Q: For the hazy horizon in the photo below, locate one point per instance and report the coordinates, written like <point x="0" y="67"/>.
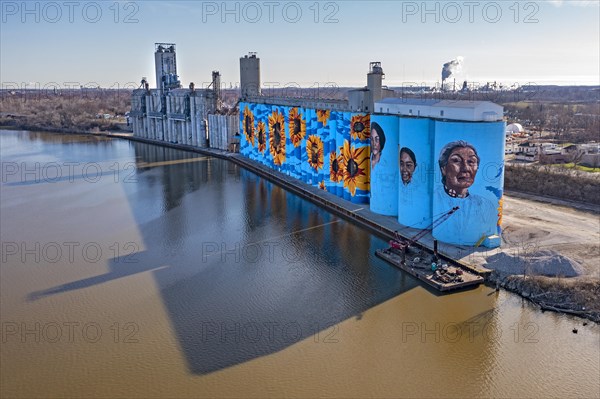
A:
<point x="111" y="44"/>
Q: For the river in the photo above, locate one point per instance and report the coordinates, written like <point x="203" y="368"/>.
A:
<point x="134" y="270"/>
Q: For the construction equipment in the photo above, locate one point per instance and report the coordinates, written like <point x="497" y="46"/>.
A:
<point x="401" y="245"/>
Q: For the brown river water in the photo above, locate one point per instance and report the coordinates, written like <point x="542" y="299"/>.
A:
<point x="133" y="270"/>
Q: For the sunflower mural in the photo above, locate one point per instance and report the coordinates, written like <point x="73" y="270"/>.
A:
<point x="323" y="116"/>
<point x="249" y="125"/>
<point x="360" y="127"/>
<point x="322" y="185"/>
<point x="261" y="136"/>
<point x="500" y="208"/>
<point x="277" y="137"/>
<point x="297" y="126"/>
<point x="335" y="171"/>
<point x="355" y="166"/>
<point x="314" y="151"/>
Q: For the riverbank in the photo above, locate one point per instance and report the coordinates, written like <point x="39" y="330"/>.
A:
<point x="578" y="295"/>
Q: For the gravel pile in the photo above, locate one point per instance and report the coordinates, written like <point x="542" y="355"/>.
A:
<point x="541" y="263"/>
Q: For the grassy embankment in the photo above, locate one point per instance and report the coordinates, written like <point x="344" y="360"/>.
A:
<point x="558" y="182"/>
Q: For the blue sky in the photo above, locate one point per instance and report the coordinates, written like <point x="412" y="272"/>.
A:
<point x="112" y="43"/>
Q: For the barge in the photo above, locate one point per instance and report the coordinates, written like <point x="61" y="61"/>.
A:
<point x="441" y="276"/>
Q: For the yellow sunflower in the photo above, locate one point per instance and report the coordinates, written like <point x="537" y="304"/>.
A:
<point x="335" y="171"/>
<point x="297" y="126"/>
<point x="360" y="127"/>
<point x="277" y="137"/>
<point x="323" y="116"/>
<point x="315" y="152"/>
<point x="249" y="125"/>
<point x="322" y="185"/>
<point x="500" y="207"/>
<point x="355" y="164"/>
<point x="261" y="136"/>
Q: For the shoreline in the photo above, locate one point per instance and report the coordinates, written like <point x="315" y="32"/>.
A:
<point x="579" y="297"/>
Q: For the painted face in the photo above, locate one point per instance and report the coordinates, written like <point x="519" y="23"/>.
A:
<point x="375" y="145"/>
<point x="407" y="167"/>
<point x="461" y="169"/>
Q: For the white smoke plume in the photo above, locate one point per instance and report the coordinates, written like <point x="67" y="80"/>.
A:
<point x="452" y="67"/>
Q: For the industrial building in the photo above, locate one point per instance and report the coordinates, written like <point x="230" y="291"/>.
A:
<point x="184" y="116"/>
<point x="407" y="158"/>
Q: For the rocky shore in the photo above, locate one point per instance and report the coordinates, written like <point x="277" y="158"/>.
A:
<point x="579" y="296"/>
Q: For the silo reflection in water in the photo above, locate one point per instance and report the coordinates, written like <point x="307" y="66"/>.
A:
<point x="354" y="326"/>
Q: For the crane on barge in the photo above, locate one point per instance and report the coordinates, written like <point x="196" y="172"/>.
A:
<point x="437" y="274"/>
<point x="400" y="245"/>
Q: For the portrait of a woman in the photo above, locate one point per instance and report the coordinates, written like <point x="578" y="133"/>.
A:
<point x="477" y="216"/>
<point x="408" y="164"/>
<point x="377" y="143"/>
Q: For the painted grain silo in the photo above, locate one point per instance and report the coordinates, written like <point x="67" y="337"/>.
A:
<point x="297" y="132"/>
<point x="346" y="150"/>
<point x="313" y="148"/>
<point x="469" y="173"/>
<point x="260" y="132"/>
<point x="323" y="132"/>
<point x="334" y="181"/>
<point x="277" y="137"/>
<point x="339" y="141"/>
<point x="287" y="164"/>
<point x="262" y="123"/>
<point x="246" y="128"/>
<point x="357" y="164"/>
<point x="415" y="163"/>
<point x="304" y="170"/>
<point x="384" y="164"/>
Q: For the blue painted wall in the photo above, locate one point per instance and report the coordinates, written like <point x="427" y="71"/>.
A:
<point x="384" y="167"/>
<point x="415" y="180"/>
<point x="332" y="150"/>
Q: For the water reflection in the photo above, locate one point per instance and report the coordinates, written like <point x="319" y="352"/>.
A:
<point x="245" y="268"/>
<point x="239" y="269"/>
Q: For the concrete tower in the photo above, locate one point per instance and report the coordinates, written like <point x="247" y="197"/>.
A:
<point x="166" y="66"/>
<point x="374" y="82"/>
<point x="250" y="75"/>
<point x="216" y="86"/>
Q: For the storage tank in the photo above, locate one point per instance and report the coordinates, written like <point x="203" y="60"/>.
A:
<point x="415" y="166"/>
<point x="345" y="150"/>
<point x="339" y="140"/>
<point x="197" y="105"/>
<point x="358" y="163"/>
<point x="313" y="146"/>
<point x="304" y="170"/>
<point x="297" y="133"/>
<point x="323" y="130"/>
<point x="246" y="128"/>
<point x="469" y="173"/>
<point x="262" y="134"/>
<point x="384" y="164"/>
<point x="250" y="75"/>
<point x="277" y="137"/>
<point x="333" y="180"/>
<point x="288" y="164"/>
